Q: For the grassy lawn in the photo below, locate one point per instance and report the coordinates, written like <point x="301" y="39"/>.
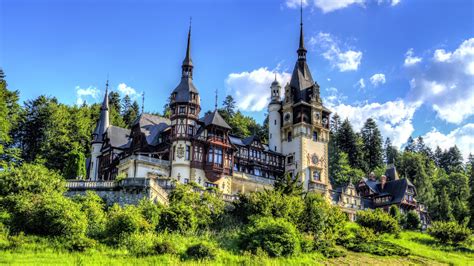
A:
<point x="423" y="245"/>
<point x="424" y="252"/>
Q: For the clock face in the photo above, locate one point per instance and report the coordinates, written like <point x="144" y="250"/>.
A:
<point x="314" y="159"/>
<point x="316" y="114"/>
<point x="287" y="117"/>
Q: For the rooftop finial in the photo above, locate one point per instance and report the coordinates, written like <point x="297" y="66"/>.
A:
<point x="143" y="101"/>
<point x="301" y="50"/>
<point x="187" y="62"/>
<point x="215" y="106"/>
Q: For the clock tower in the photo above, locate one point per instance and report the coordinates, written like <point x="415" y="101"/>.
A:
<point x="305" y="127"/>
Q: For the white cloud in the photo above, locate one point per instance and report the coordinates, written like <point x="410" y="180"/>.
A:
<point x="377" y="79"/>
<point x="332" y="5"/>
<point x="440" y="55"/>
<point x="251" y="90"/>
<point x="126" y="90"/>
<point x="447" y="83"/>
<point x="347" y="60"/>
<point x="82" y="93"/>
<point x="462" y="137"/>
<point x="410" y="59"/>
<point x="361" y="83"/>
<point x="394" y="118"/>
<point x="391" y="2"/>
<point x="296" y="3"/>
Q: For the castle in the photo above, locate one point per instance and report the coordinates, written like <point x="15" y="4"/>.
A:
<point x="147" y="160"/>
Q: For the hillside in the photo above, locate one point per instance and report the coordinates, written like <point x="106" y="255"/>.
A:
<point x="423" y="248"/>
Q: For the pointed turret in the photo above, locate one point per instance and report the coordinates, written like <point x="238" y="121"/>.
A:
<point x="103" y="122"/>
<point x="183" y="93"/>
<point x="301" y="50"/>
<point x="301" y="78"/>
<point x="188" y="62"/>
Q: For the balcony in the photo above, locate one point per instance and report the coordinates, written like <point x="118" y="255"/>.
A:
<point x="317" y="187"/>
<point x="147" y="159"/>
<point x="86" y="185"/>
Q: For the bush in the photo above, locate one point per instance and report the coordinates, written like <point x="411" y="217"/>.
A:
<point x="277" y="237"/>
<point x="380" y="248"/>
<point x="93" y="206"/>
<point x="412" y="221"/>
<point x="365" y="234"/>
<point x="178" y="218"/>
<point x="47" y="214"/>
<point x="206" y="207"/>
<point x="379" y="221"/>
<point x="124" y="221"/>
<point x="394" y="211"/>
<point x="30" y="178"/>
<point x="79" y="243"/>
<point x="449" y="232"/>
<point x="138" y="244"/>
<point x="324" y="221"/>
<point x="165" y="247"/>
<point x="150" y="211"/>
<point x="268" y="203"/>
<point x="201" y="251"/>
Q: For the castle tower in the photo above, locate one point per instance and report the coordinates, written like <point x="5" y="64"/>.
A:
<point x="185" y="108"/>
<point x="305" y="129"/>
<point x="98" y="135"/>
<point x="274" y="117"/>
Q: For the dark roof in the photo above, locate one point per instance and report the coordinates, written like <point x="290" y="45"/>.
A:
<point x="391" y="173"/>
<point x="215" y="119"/>
<point x="118" y="137"/>
<point x="236" y="140"/>
<point x="183" y="90"/>
<point x="152" y="126"/>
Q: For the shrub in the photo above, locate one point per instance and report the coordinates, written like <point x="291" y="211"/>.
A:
<point x="81" y="243"/>
<point x="268" y="203"/>
<point x="201" y="251"/>
<point x="30" y="178"/>
<point x="124" y="221"/>
<point x="379" y="221"/>
<point x="47" y="214"/>
<point x="138" y="244"/>
<point x="412" y="221"/>
<point x="206" y="207"/>
<point x="277" y="237"/>
<point x="365" y="234"/>
<point x="178" y="218"/>
<point x="165" y="247"/>
<point x="449" y="232"/>
<point x="93" y="206"/>
<point x="150" y="211"/>
<point x="380" y="248"/>
<point x="322" y="220"/>
<point x="394" y="211"/>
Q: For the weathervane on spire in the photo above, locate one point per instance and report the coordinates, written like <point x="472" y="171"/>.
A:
<point x="143" y="101"/>
<point x="215" y="106"/>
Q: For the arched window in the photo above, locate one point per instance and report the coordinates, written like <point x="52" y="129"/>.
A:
<point x="315" y="136"/>
<point x="316" y="175"/>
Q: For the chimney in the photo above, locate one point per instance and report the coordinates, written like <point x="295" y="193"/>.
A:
<point x="383" y="181"/>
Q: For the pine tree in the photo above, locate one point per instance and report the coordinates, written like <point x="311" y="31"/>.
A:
<point x="347" y="142"/>
<point x="412" y="166"/>
<point x="229" y="106"/>
<point x="9" y="114"/>
<point x="390" y="152"/>
<point x="453" y="160"/>
<point x="438" y="155"/>
<point x="470" y="170"/>
<point x="410" y="145"/>
<point x="372" y="144"/>
<point x="459" y="196"/>
<point x="444" y="206"/>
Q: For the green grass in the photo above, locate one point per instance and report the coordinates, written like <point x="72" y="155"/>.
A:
<point x="423" y="245"/>
<point x="38" y="251"/>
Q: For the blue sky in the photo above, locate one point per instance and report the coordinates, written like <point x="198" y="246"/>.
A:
<point x="407" y="63"/>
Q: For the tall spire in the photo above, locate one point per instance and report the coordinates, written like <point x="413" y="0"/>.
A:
<point x="301" y="50"/>
<point x="215" y="105"/>
<point x="188" y="62"/>
<point x="103" y="122"/>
